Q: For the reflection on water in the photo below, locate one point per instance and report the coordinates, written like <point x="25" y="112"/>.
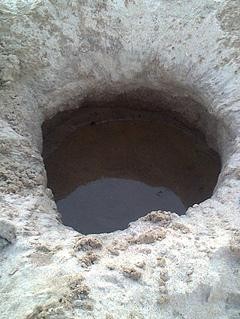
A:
<point x="106" y="175"/>
<point x="109" y="204"/>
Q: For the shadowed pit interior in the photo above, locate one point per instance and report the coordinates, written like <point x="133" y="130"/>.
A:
<point x="110" y="162"/>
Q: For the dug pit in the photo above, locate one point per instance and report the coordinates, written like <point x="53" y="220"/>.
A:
<point x="108" y="165"/>
<point x="63" y="55"/>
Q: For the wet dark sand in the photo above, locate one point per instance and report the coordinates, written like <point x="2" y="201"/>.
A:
<point x="106" y="175"/>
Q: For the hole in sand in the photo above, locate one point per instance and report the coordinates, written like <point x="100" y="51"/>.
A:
<point x="109" y="165"/>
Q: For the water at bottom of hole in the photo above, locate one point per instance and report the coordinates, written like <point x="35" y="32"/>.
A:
<point x="107" y="175"/>
<point x="111" y="203"/>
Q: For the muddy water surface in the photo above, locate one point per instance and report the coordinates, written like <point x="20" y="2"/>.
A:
<point x="105" y="175"/>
